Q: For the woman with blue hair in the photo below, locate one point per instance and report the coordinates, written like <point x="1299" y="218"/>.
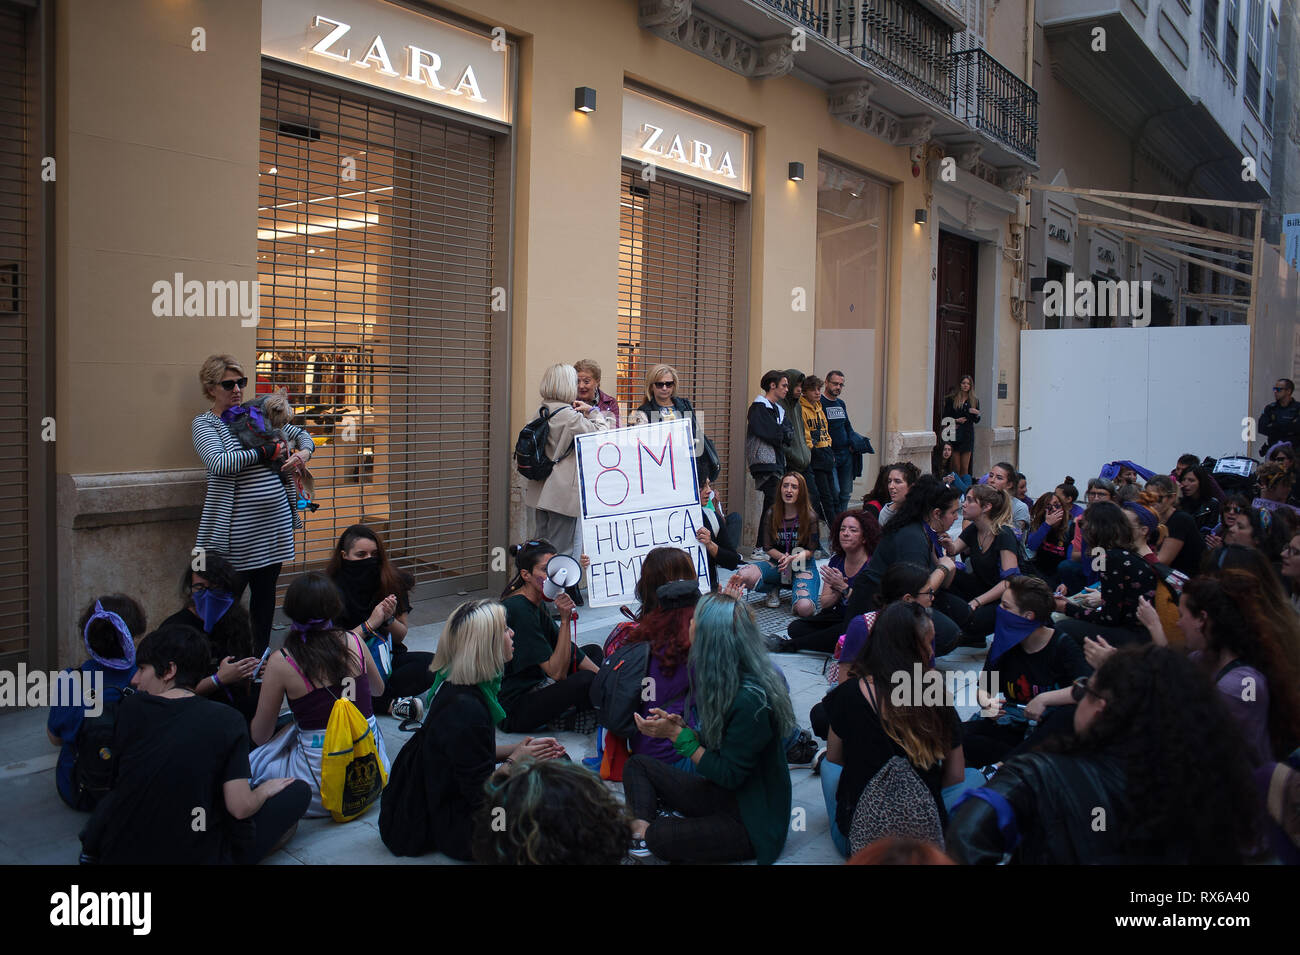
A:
<point x="736" y="805"/>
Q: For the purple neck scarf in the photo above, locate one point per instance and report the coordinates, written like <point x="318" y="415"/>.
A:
<point x="234" y="412"/>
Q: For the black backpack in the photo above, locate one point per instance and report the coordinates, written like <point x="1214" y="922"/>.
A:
<point x="616" y="691"/>
<point x="530" y="449"/>
<point x="92" y="768"/>
<point x="404" y="807"/>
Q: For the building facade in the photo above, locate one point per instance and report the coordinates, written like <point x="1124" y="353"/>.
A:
<point x="436" y="202"/>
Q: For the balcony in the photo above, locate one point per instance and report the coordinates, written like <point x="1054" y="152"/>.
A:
<point x="988" y="96"/>
<point x="888" y="67"/>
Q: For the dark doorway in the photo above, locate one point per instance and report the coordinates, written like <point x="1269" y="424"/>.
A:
<point x="954" y="352"/>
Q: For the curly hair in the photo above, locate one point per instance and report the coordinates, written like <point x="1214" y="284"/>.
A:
<point x="1189" y="784"/>
<point x="1233" y="600"/>
<point x="871" y="530"/>
<point x="550" y="813"/>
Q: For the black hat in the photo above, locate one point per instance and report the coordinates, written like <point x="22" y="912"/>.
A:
<point x="677" y="594"/>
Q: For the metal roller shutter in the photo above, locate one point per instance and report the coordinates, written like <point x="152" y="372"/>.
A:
<point x="375" y="249"/>
<point x="15" y="175"/>
<point x="676" y="293"/>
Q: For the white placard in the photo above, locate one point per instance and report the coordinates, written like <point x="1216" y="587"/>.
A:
<point x="639" y="491"/>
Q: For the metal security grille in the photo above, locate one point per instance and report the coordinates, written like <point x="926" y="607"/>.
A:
<point x="375" y="251"/>
<point x="676" y="289"/>
<point x="15" y="174"/>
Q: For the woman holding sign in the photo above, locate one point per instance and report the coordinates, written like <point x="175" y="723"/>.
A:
<point x="555" y="501"/>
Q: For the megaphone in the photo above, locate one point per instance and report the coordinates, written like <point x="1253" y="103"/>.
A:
<point x="562" y="572"/>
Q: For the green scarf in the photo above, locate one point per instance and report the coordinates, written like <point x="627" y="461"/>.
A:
<point x="489" y="689"/>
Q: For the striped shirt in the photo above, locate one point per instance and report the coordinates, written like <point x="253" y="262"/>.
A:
<point x="247" y="514"/>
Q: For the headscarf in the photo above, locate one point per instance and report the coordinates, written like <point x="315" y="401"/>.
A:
<point x="124" y="632"/>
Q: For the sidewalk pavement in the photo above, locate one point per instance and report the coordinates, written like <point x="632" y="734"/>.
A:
<point x="40" y="829"/>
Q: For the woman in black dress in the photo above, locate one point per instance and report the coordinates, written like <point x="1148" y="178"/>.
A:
<point x="963" y="408"/>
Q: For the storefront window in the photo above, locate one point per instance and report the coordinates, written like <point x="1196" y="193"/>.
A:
<point x="375" y="248"/>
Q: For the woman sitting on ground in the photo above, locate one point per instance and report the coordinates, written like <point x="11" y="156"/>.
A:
<point x="1198" y="498"/>
<point x="790" y="536"/>
<point x="181" y="759"/>
<point x="944" y="468"/>
<point x="904" y="582"/>
<point x="736" y="805"/>
<point x="992" y="555"/>
<point x="211" y="608"/>
<point x="1275" y="484"/>
<point x="876" y="499"/>
<point x="109" y="627"/>
<point x="1124" y="575"/>
<point x="661" y="566"/>
<point x="1183" y="541"/>
<point x="1291" y="571"/>
<point x="1146" y="726"/>
<point x="1034" y="666"/>
<point x="548" y="681"/>
<point x="913" y="537"/>
<point x="854" y="535"/>
<point x="900" y="478"/>
<point x="1050" y="532"/>
<point x="457" y="746"/>
<point x="716" y="538"/>
<point x="869" y="726"/>
<point x="667" y="629"/>
<point x="558" y="814"/>
<point x="376" y="600"/>
<point x="318" y="664"/>
<point x="1069" y="495"/>
<point x="1230" y="639"/>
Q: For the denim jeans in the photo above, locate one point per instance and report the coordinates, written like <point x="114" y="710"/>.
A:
<point x="842" y="479"/>
<point x="830" y="773"/>
<point x="806" y="584"/>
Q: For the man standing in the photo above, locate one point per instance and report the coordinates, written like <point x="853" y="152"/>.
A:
<point x="768" y="433"/>
<point x="847" y="445"/>
<point x="1281" y="419"/>
<point x="1003" y="477"/>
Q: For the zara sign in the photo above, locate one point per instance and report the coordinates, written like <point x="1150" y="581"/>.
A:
<point x="382" y="44"/>
<point x="661" y="135"/>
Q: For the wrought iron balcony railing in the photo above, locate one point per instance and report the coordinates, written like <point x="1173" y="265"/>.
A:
<point x="914" y="48"/>
<point x="988" y="96"/>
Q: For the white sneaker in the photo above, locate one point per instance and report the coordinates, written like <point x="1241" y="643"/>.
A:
<point x="758" y="555"/>
<point x="408" y="709"/>
<point x="773" y="599"/>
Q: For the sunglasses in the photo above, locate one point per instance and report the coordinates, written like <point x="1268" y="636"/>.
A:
<point x="1275" y="388"/>
<point x="230" y="384"/>
<point x="1233" y="510"/>
<point x="1080" y="688"/>
<point x="665" y="384"/>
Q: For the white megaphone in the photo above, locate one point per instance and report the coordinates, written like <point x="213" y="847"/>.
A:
<point x="562" y="572"/>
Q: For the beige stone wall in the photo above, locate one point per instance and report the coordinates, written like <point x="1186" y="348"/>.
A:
<point x="158" y="161"/>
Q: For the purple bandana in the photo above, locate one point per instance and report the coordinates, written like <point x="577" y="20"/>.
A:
<point x="124" y="632"/>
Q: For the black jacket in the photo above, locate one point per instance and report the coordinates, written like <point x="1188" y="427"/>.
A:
<point x="1281" y="424"/>
<point x="704" y="466"/>
<point x="1069" y="810"/>
<point x="728" y="556"/>
<point x="437" y="781"/>
<point x="764" y="426"/>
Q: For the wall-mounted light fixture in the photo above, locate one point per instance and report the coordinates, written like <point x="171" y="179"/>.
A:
<point x="584" y="99"/>
<point x="921" y="216"/>
<point x="796" y="172"/>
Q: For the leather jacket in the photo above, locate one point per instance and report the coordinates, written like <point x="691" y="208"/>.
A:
<point x="1068" y="810"/>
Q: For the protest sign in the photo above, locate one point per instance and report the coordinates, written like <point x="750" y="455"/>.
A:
<point x="639" y="491"/>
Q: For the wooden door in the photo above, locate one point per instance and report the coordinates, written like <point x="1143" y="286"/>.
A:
<point x="955" y="329"/>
